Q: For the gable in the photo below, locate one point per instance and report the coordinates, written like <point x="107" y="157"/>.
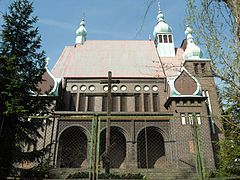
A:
<point x="185" y="84"/>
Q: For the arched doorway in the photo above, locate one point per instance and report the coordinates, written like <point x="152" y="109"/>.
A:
<point x="72" y="149"/>
<point x="150" y="147"/>
<point x="117" y="147"/>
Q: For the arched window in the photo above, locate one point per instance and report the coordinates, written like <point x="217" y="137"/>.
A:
<point x="165" y="38"/>
<point x="160" y="39"/>
<point x="170" y="38"/>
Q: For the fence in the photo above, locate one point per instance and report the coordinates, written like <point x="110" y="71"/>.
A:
<point x="134" y="143"/>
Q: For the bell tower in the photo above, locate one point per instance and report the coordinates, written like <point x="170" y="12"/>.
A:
<point x="163" y="36"/>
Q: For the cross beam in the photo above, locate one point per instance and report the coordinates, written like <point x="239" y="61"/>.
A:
<point x="109" y="110"/>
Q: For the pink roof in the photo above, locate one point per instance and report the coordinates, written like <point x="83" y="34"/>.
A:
<point x="125" y="59"/>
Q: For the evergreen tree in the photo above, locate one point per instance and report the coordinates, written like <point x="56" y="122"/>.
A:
<point x="22" y="64"/>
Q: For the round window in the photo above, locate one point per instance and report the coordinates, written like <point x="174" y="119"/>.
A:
<point x="155" y="88"/>
<point x="74" y="87"/>
<point x="137" y="88"/>
<point x="83" y="88"/>
<point x="114" y="88"/>
<point x="123" y="88"/>
<point x="146" y="88"/>
<point x="105" y="88"/>
<point x="92" y="88"/>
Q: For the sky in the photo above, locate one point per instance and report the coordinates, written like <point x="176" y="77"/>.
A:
<point x="105" y="20"/>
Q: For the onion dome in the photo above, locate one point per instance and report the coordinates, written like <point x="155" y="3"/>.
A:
<point x="162" y="27"/>
<point x="192" y="51"/>
<point x="81" y="31"/>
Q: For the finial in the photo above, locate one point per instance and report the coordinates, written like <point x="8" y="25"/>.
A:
<point x="192" y="51"/>
<point x="188" y="33"/>
<point x="188" y="30"/>
<point x="159" y="7"/>
<point x="160" y="16"/>
<point x="47" y="61"/>
<point x="83" y="17"/>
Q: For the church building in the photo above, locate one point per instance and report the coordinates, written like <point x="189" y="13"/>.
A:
<point x="159" y="93"/>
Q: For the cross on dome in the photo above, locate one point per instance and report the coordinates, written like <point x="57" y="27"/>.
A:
<point x="160" y="16"/>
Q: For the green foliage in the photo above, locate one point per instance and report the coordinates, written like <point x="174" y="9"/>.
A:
<point x="229" y="153"/>
<point x="217" y="27"/>
<point x="22" y="65"/>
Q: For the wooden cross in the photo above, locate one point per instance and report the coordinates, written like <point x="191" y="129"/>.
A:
<point x="109" y="110"/>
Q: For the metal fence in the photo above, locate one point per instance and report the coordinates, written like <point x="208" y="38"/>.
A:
<point x="133" y="143"/>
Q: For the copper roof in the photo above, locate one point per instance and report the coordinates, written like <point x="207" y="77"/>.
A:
<point x="125" y="58"/>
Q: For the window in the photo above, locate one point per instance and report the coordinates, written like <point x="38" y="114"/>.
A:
<point x="183" y="118"/>
<point x="198" y="117"/>
<point x="165" y="38"/>
<point x="170" y="38"/>
<point x="137" y="103"/>
<point x="196" y="68"/>
<point x="203" y="68"/>
<point x="73" y="101"/>
<point x="91" y="100"/>
<point x="82" y="102"/>
<point x="123" y="103"/>
<point x="190" y="118"/>
<point x="155" y="103"/>
<point x="114" y="103"/>
<point x="160" y="38"/>
<point x="146" y="102"/>
<point x="104" y="103"/>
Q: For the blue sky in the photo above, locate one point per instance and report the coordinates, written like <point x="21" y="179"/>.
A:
<point x="109" y="19"/>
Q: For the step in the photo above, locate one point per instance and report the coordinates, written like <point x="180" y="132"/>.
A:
<point x="151" y="173"/>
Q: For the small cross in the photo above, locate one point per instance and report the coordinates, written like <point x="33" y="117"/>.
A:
<point x="159" y="5"/>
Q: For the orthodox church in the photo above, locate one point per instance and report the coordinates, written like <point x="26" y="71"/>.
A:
<point x="161" y="93"/>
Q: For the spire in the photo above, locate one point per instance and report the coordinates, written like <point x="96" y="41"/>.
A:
<point x="162" y="27"/>
<point x="81" y="32"/>
<point x="159" y="7"/>
<point x="160" y="16"/>
<point x="192" y="51"/>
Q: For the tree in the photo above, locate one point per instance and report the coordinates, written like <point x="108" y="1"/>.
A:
<point x="22" y="64"/>
<point x="234" y="7"/>
<point x="217" y="25"/>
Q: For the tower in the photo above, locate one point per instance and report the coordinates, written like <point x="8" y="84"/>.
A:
<point x="81" y="33"/>
<point x="163" y="37"/>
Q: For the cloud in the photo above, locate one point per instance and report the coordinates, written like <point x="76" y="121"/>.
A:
<point x="57" y="24"/>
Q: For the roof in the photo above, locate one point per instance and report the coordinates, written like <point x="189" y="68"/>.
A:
<point x="125" y="58"/>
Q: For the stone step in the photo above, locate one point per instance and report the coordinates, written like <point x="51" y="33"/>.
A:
<point x="151" y="173"/>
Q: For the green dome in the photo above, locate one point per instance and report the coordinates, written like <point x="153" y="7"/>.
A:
<point x="162" y="27"/>
<point x="192" y="51"/>
<point x="81" y="31"/>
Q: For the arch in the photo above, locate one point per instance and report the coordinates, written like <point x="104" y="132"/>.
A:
<point x="150" y="148"/>
<point x="117" y="146"/>
<point x="84" y="130"/>
<point x="72" y="148"/>
<point x="121" y="129"/>
<point x="161" y="131"/>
